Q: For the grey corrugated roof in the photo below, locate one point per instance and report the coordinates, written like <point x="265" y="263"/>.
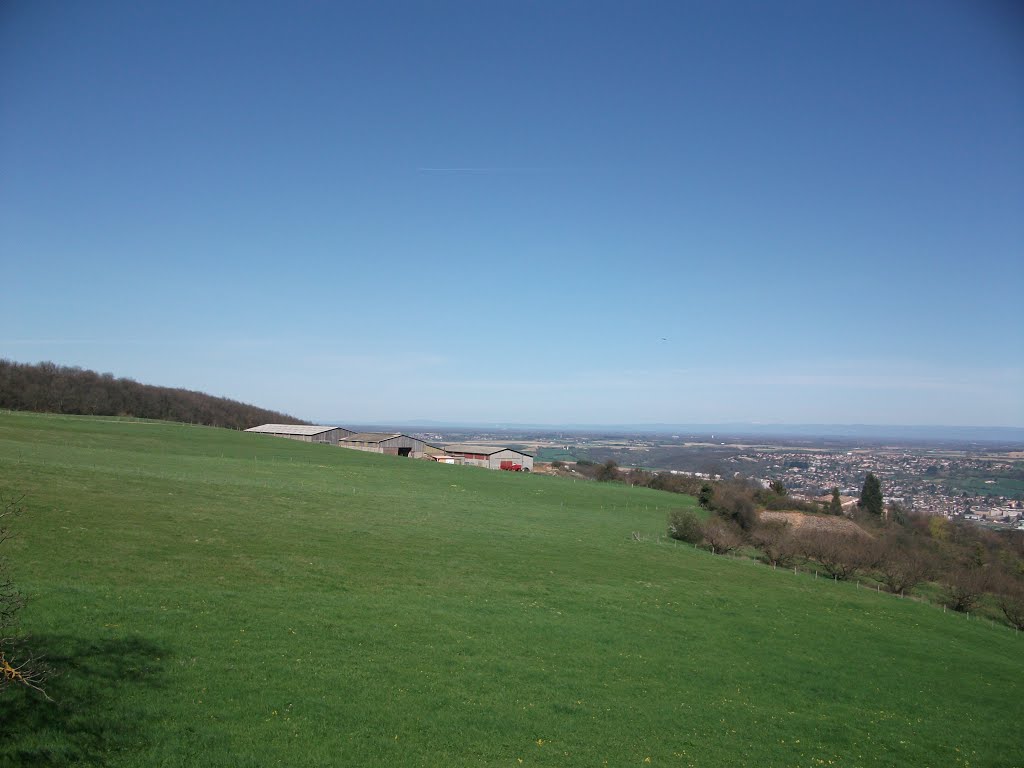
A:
<point x="371" y="437"/>
<point x="293" y="429"/>
<point x="487" y="450"/>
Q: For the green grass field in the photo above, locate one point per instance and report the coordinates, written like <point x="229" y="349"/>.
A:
<point x="214" y="598"/>
<point x="1003" y="486"/>
<point x="555" y="454"/>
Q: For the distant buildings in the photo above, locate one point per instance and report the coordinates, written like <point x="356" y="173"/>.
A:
<point x="389" y="443"/>
<point x="398" y="444"/>
<point x="307" y="433"/>
<point x="492" y="457"/>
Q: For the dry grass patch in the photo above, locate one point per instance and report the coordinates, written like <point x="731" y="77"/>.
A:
<point x="800" y="522"/>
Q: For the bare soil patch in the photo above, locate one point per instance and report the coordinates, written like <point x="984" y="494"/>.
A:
<point x="799" y="521"/>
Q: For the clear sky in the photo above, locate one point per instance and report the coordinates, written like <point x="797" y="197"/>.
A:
<point x="545" y="212"/>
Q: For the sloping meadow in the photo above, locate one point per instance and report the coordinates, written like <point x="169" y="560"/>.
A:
<point x="212" y="598"/>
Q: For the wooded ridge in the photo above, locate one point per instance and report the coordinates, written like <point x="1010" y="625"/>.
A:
<point x="51" y="388"/>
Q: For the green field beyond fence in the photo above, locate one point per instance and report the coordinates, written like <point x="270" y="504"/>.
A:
<point x="555" y="454"/>
<point x="215" y="598"/>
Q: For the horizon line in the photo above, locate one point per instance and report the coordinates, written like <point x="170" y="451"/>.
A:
<point x="688" y="425"/>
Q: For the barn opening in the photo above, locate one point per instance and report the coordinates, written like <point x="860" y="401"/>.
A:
<point x="404" y="451"/>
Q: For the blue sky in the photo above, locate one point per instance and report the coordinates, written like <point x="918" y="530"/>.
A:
<point x="547" y="212"/>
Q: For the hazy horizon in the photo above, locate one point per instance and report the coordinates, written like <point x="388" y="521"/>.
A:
<point x="990" y="433"/>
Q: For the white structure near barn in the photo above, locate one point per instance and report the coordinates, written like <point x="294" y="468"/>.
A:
<point x="307" y="433"/>
<point x="492" y="457"/>
<point x="390" y="443"/>
<point x="439" y="455"/>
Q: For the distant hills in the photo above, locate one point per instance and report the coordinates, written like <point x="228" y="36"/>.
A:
<point x="51" y="388"/>
<point x="875" y="432"/>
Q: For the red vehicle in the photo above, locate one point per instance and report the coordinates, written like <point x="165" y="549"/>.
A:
<point x="511" y="466"/>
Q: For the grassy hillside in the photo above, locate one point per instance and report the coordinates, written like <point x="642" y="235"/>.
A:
<point x="226" y="599"/>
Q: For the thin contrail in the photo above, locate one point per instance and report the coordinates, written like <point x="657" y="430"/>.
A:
<point x="53" y="341"/>
<point x="477" y="169"/>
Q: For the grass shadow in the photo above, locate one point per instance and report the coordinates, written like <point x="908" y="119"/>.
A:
<point x="91" y="717"/>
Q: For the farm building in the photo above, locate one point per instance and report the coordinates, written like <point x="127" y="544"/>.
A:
<point x="492" y="457"/>
<point x="439" y="455"/>
<point x="308" y="433"/>
<point x="390" y="443"/>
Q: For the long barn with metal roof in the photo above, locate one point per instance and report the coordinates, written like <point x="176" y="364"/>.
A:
<point x="307" y="433"/>
<point x="390" y="443"/>
<point x="491" y="456"/>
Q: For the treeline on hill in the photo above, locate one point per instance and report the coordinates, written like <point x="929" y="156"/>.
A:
<point x="51" y="388"/>
<point x="692" y="485"/>
<point x="964" y="566"/>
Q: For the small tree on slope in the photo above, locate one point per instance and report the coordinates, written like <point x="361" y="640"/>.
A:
<point x="871" y="496"/>
<point x="17" y="667"/>
<point x="835" y="506"/>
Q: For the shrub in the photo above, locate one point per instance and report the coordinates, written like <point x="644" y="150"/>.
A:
<point x="776" y="542"/>
<point x="841" y="555"/>
<point x="666" y="481"/>
<point x="898" y="513"/>
<point x="684" y="525"/>
<point x="939" y="528"/>
<point x="1010" y="599"/>
<point x="964" y="585"/>
<point x="904" y="563"/>
<point x="607" y="472"/>
<point x="707" y="495"/>
<point x="721" y="536"/>
<point x="835" y="504"/>
<point x="735" y="501"/>
<point x="639" y="477"/>
<point x="773" y="501"/>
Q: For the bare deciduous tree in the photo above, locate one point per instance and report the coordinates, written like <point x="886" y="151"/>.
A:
<point x="684" y="525"/>
<point x="841" y="555"/>
<point x="1009" y="591"/>
<point x="17" y="665"/>
<point x="722" y="536"/>
<point x="776" y="541"/>
<point x="903" y="564"/>
<point x="965" y="583"/>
